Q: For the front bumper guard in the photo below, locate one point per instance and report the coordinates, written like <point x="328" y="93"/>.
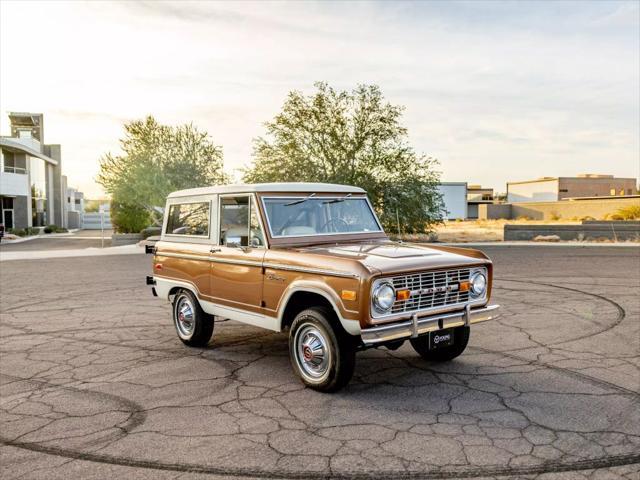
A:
<point x="420" y="325"/>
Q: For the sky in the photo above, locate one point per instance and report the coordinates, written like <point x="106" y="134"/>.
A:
<point x="496" y="91"/>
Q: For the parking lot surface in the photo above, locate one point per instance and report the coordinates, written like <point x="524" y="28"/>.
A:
<point x="95" y="383"/>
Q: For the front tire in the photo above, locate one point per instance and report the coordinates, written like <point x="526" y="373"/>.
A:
<point x="460" y="339"/>
<point x="321" y="355"/>
<point x="193" y="325"/>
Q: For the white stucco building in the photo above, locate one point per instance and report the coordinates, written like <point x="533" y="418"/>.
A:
<point x="75" y="207"/>
<point x="33" y="191"/>
<point x="454" y="196"/>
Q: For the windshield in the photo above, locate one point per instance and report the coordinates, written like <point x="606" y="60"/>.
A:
<point x="304" y="216"/>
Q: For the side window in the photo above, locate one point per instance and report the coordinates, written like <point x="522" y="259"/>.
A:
<point x="188" y="219"/>
<point x="234" y="221"/>
<point x="239" y="225"/>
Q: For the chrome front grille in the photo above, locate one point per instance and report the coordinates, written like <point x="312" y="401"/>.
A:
<point x="431" y="289"/>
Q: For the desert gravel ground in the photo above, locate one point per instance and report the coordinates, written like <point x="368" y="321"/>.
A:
<point x="95" y="384"/>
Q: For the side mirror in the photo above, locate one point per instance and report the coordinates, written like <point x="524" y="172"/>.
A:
<point x="256" y="242"/>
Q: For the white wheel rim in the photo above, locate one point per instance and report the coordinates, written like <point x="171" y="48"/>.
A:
<point x="312" y="353"/>
<point x="185" y="317"/>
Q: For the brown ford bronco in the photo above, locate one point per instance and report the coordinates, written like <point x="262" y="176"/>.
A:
<point x="313" y="259"/>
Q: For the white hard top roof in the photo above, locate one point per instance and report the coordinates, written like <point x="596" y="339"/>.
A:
<point x="297" y="187"/>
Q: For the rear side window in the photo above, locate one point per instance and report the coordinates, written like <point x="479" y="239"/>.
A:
<point x="188" y="219"/>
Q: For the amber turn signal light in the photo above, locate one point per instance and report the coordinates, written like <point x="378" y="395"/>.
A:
<point x="465" y="286"/>
<point x="348" y="295"/>
<point x="403" y="294"/>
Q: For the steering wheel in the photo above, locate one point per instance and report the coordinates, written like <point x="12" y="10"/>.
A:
<point x="334" y="222"/>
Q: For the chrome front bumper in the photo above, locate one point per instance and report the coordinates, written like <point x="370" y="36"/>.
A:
<point x="420" y="325"/>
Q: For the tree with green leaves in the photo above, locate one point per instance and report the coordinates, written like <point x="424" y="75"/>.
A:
<point x="352" y="138"/>
<point x="156" y="160"/>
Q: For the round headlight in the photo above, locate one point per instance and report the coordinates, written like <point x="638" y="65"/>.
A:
<point x="383" y="297"/>
<point x="478" y="284"/>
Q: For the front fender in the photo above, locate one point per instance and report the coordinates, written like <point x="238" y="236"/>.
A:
<point x="351" y="325"/>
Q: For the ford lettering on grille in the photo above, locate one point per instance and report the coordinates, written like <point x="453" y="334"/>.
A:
<point x="427" y="291"/>
<point x="431" y="289"/>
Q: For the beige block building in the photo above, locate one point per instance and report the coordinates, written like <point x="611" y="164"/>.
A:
<point x="552" y="189"/>
<point x="477" y="195"/>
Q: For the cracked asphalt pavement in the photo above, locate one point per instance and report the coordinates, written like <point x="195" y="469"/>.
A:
<point x="95" y="383"/>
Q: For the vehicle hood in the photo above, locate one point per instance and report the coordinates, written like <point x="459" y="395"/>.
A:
<point x="392" y="257"/>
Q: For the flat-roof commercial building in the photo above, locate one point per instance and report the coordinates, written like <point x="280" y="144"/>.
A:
<point x="552" y="189"/>
<point x="32" y="193"/>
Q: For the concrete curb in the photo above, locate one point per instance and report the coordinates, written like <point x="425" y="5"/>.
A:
<point x="120" y="239"/>
<point x="544" y="244"/>
<point x="79" y="252"/>
<point x="139" y="249"/>
<point x="20" y="239"/>
<point x="70" y="233"/>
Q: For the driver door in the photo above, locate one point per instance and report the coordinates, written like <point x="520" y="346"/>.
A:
<point x="236" y="262"/>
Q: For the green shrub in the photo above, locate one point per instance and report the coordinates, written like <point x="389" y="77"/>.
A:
<point x="54" y="229"/>
<point x="24" y="232"/>
<point x="92" y="206"/>
<point x="127" y="218"/>
<point x="631" y="212"/>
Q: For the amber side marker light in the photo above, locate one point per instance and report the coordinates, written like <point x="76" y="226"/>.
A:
<point x="403" y="294"/>
<point x="465" y="286"/>
<point x="348" y="295"/>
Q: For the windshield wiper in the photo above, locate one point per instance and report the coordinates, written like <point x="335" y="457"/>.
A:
<point x="300" y="201"/>
<point x="337" y="200"/>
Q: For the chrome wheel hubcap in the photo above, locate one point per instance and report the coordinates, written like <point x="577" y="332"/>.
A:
<point x="185" y="317"/>
<point x="312" y="352"/>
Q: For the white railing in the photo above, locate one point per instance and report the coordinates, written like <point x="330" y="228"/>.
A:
<point x="91" y="221"/>
<point x="13" y="183"/>
<point x="10" y="169"/>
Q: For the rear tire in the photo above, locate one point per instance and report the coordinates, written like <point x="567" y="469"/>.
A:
<point x="460" y="339"/>
<point x="193" y="325"/>
<point x="323" y="356"/>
